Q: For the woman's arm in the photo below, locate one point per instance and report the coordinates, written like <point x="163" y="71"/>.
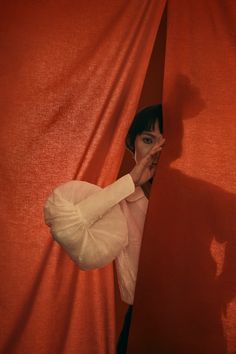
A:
<point x="96" y="205"/>
<point x="78" y="221"/>
<point x="75" y="217"/>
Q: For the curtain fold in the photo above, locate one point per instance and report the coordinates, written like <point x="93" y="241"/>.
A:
<point x="71" y="76"/>
<point x="186" y="289"/>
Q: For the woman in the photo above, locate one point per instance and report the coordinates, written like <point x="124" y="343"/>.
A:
<point x="96" y="226"/>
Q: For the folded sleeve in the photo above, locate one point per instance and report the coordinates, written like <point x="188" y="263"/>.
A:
<point x="87" y="221"/>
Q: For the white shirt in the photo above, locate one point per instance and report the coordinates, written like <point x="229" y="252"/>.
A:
<point x="96" y="226"/>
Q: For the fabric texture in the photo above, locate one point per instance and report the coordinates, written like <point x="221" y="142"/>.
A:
<point x="95" y="229"/>
<point x="185" y="300"/>
<point x="71" y="75"/>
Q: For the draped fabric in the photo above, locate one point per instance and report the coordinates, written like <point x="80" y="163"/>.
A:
<point x="186" y="290"/>
<point x="151" y="94"/>
<point x="71" y="77"/>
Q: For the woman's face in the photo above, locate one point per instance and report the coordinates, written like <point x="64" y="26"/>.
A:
<point x="145" y="141"/>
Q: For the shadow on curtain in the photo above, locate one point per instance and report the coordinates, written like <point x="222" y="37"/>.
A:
<point x="186" y="290"/>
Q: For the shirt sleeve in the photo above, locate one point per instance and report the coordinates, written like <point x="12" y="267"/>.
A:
<point x="87" y="221"/>
<point x="96" y="205"/>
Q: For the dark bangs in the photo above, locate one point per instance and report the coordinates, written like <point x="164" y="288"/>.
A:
<point x="144" y="120"/>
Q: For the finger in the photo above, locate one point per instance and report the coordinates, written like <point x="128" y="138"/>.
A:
<point x="157" y="145"/>
<point x="154" y="152"/>
<point x="149" y="162"/>
<point x="148" y="158"/>
<point x="146" y="161"/>
<point x="161" y="142"/>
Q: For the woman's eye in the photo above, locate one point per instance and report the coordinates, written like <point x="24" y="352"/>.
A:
<point x="147" y="140"/>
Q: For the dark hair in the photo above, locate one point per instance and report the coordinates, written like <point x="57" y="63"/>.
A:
<point x="144" y="120"/>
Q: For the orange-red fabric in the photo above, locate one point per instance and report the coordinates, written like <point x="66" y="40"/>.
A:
<point x="151" y="94"/>
<point x="71" y="77"/>
<point x="185" y="296"/>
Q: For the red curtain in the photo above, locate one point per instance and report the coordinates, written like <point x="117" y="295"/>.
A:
<point x="151" y="94"/>
<point x="71" y="77"/>
<point x="185" y="296"/>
